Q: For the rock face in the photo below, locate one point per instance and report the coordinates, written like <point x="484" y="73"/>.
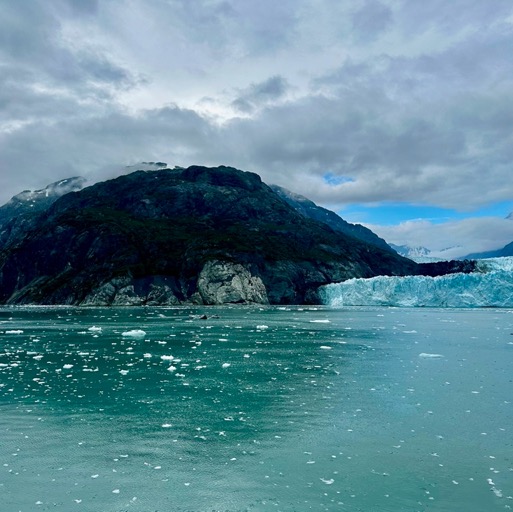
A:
<point x="180" y="236"/>
<point x="224" y="282"/>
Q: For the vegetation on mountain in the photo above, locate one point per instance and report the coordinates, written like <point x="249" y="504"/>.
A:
<point x="147" y="237"/>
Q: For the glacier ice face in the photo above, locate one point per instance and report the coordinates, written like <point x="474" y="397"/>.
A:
<point x="491" y="287"/>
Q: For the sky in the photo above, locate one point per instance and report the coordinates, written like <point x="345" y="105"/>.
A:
<point x="397" y="114"/>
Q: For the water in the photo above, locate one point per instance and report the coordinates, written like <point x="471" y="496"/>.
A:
<point x="272" y="409"/>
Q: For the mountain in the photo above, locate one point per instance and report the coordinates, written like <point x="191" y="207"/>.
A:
<point x="183" y="236"/>
<point x="507" y="250"/>
<point x="413" y="253"/>
<point x="18" y="213"/>
<point x="309" y="209"/>
<point x="38" y="200"/>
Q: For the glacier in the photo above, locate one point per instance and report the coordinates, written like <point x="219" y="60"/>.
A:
<point x="491" y="286"/>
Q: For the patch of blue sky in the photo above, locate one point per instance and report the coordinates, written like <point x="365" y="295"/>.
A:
<point x="333" y="179"/>
<point x="387" y="214"/>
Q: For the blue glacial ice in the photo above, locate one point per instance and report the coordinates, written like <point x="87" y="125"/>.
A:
<point x="492" y="286"/>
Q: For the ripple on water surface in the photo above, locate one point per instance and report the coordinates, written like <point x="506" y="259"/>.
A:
<point x="255" y="409"/>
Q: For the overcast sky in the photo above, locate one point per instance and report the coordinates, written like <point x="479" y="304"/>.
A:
<point x="394" y="113"/>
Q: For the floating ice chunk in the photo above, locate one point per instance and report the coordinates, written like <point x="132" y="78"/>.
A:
<point x="167" y="358"/>
<point x="325" y="347"/>
<point x="14" y="331"/>
<point x="123" y="372"/>
<point x="226" y="365"/>
<point x="94" y="329"/>
<point x="262" y="327"/>
<point x="166" y="425"/>
<point x="494" y="489"/>
<point x="171" y="368"/>
<point x="67" y="366"/>
<point x="327" y="481"/>
<point x="320" y="321"/>
<point x="116" y="491"/>
<point x="426" y="355"/>
<point x="134" y="333"/>
<point x="38" y="357"/>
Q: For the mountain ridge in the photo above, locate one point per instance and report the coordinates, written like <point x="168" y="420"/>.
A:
<point x="181" y="236"/>
<point x="309" y="209"/>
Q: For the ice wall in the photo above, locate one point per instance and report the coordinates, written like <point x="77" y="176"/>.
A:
<point x="491" y="287"/>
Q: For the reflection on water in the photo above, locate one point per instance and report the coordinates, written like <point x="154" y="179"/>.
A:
<point x="159" y="409"/>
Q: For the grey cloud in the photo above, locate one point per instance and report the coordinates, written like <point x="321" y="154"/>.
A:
<point x="228" y="27"/>
<point x="450" y="17"/>
<point x="81" y="7"/>
<point x="92" y="147"/>
<point x="371" y="20"/>
<point x="30" y="41"/>
<point x="259" y="94"/>
<point x="424" y="124"/>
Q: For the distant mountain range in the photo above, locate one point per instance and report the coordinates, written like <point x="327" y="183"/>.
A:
<point x="411" y="252"/>
<point x="507" y="250"/>
<point x="182" y="236"/>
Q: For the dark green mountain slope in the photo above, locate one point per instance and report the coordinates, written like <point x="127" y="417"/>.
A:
<point x="311" y="210"/>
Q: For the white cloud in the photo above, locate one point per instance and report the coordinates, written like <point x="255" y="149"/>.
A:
<point x="471" y="235"/>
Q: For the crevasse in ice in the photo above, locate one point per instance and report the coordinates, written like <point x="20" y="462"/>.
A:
<point x="492" y="286"/>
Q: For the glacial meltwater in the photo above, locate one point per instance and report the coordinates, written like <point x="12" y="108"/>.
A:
<point x="256" y="409"/>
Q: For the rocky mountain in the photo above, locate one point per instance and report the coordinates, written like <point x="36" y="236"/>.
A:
<point x="38" y="200"/>
<point x="17" y="214"/>
<point x="311" y="210"/>
<point x="174" y="236"/>
<point x="411" y="252"/>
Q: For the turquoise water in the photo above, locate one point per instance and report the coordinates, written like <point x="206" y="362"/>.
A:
<point x="283" y="409"/>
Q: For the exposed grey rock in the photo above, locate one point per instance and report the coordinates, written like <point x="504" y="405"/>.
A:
<point x="223" y="282"/>
<point x="106" y="294"/>
<point x="125" y="291"/>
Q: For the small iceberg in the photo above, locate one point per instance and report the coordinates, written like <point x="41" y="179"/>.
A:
<point x="425" y="355"/>
<point x="134" y="333"/>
